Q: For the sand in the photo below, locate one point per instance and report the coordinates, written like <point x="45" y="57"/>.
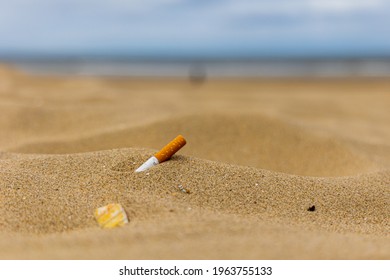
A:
<point x="259" y="154"/>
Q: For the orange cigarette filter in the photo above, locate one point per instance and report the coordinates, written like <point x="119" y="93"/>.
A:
<point x="170" y="149"/>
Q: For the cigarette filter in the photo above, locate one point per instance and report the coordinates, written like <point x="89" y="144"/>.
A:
<point x="111" y="215"/>
<point x="164" y="154"/>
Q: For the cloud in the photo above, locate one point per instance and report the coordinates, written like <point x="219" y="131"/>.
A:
<point x="191" y="24"/>
<point x="345" y="6"/>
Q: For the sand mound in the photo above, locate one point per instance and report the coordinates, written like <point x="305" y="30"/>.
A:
<point x="250" y="140"/>
<point x="44" y="194"/>
<point x="53" y="198"/>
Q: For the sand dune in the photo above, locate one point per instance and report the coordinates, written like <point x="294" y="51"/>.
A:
<point x="53" y="194"/>
<point x="255" y="161"/>
<point x="80" y="182"/>
<point x="252" y="140"/>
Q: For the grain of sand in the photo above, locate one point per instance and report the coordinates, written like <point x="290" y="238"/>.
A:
<point x="259" y="154"/>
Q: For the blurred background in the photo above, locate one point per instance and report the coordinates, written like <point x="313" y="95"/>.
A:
<point x="197" y="38"/>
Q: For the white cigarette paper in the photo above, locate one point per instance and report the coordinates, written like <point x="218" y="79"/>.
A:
<point x="148" y="164"/>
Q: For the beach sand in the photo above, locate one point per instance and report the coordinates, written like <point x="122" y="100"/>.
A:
<point x="259" y="154"/>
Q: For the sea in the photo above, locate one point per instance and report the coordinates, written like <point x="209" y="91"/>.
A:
<point x="200" y="69"/>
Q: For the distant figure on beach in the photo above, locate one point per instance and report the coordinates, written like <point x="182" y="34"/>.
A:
<point x="197" y="74"/>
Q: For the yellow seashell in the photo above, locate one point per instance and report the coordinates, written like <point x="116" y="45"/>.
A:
<point x="111" y="215"/>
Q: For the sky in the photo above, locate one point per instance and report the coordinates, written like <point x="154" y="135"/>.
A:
<point x="227" y="28"/>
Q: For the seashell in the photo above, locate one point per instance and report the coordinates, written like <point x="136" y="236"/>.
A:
<point x="111" y="215"/>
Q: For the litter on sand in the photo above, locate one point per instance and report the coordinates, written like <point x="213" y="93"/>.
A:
<point x="164" y="154"/>
<point x="183" y="189"/>
<point x="111" y="215"/>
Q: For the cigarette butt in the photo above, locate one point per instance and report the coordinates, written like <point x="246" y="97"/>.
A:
<point x="164" y="154"/>
<point x="170" y="149"/>
<point x="111" y="215"/>
<point x="152" y="161"/>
